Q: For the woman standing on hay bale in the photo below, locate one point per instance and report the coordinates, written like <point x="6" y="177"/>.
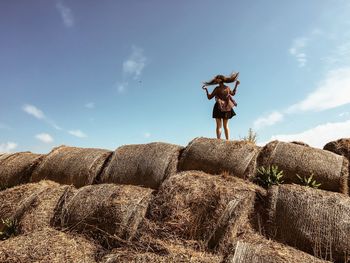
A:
<point x="223" y="108"/>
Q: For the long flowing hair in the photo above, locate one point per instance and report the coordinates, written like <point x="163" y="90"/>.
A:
<point x="223" y="79"/>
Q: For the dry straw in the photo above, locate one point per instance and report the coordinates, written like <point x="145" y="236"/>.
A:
<point x="48" y="245"/>
<point x="311" y="220"/>
<point x="31" y="206"/>
<point x="108" y="213"/>
<point x="256" y="249"/>
<point x="215" y="156"/>
<point x="17" y="168"/>
<point x="142" y="164"/>
<point x="173" y="253"/>
<point x="193" y="205"/>
<point x="329" y="169"/>
<point x="71" y="165"/>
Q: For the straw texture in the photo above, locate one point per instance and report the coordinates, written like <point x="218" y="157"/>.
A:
<point x="215" y="156"/>
<point x="71" y="165"/>
<point x="142" y="164"/>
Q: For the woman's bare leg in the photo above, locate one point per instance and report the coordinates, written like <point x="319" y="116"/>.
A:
<point x="227" y="129"/>
<point x="218" y="128"/>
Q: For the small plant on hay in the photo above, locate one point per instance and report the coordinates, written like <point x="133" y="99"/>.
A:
<point x="309" y="181"/>
<point x="8" y="229"/>
<point x="251" y="136"/>
<point x="269" y="176"/>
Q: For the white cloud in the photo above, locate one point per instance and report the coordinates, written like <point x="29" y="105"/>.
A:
<point x="34" y="111"/>
<point x="7" y="147"/>
<point x="332" y="92"/>
<point x="90" y="105"/>
<point x="77" y="133"/>
<point x="320" y="135"/>
<point x="147" y="135"/>
<point x="271" y="119"/>
<point x="297" y="50"/>
<point x="135" y="63"/>
<point x="66" y="14"/>
<point x="44" y="137"/>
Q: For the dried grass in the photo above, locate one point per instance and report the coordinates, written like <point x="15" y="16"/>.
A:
<point x="142" y="164"/>
<point x="48" y="246"/>
<point x="215" y="156"/>
<point x="253" y="248"/>
<point x="172" y="253"/>
<point x="16" y="168"/>
<point x="71" y="165"/>
<point x="108" y="213"/>
<point x="311" y="220"/>
<point x="329" y="169"/>
<point x="193" y="205"/>
<point x="31" y="205"/>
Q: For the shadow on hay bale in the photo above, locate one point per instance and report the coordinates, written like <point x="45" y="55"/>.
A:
<point x="329" y="169"/>
<point x="311" y="220"/>
<point x="16" y="168"/>
<point x="48" y="245"/>
<point x="194" y="205"/>
<point x="215" y="156"/>
<point x="31" y="206"/>
<point x="142" y="164"/>
<point x="71" y="165"/>
<point x="256" y="249"/>
<point x="108" y="213"/>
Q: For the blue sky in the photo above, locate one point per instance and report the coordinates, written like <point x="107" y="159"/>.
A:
<point x="107" y="73"/>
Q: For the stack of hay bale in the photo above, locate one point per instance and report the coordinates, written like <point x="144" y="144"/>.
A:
<point x="164" y="203"/>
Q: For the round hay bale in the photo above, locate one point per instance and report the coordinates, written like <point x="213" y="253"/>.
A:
<point x="71" y="165"/>
<point x="31" y="205"/>
<point x="315" y="221"/>
<point x="48" y="245"/>
<point x="194" y="205"/>
<point x="341" y="147"/>
<point x="142" y="164"/>
<point x="16" y="168"/>
<point x="109" y="213"/>
<point x="256" y="249"/>
<point x="215" y="156"/>
<point x="327" y="168"/>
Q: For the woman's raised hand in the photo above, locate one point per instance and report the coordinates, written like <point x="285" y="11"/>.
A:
<point x="238" y="82"/>
<point x="204" y="86"/>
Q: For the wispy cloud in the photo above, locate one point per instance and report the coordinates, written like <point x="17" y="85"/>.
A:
<point x="318" y="136"/>
<point x="66" y="14"/>
<point x="90" y="105"/>
<point x="343" y="114"/>
<point x="269" y="120"/>
<point x="44" y="137"/>
<point x="297" y="50"/>
<point x="34" y="111"/>
<point x="121" y="87"/>
<point x="77" y="133"/>
<point x="135" y="64"/>
<point x="147" y="135"/>
<point x="39" y="114"/>
<point x="333" y="91"/>
<point x="8" y="147"/>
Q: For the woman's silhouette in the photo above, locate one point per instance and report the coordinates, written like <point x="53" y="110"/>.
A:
<point x="223" y="108"/>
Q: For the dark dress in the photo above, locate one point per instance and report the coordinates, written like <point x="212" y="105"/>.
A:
<point x="218" y="114"/>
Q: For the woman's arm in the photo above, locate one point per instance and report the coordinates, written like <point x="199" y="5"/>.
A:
<point x="209" y="96"/>
<point x="233" y="92"/>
